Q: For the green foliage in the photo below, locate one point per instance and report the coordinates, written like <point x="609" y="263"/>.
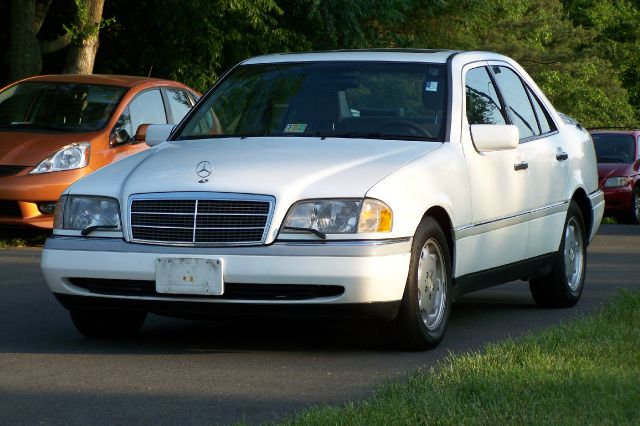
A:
<point x="341" y="24"/>
<point x="584" y="54"/>
<point x="85" y="29"/>
<point x="193" y="41"/>
<point x="541" y="37"/>
<point x="18" y="237"/>
<point x="616" y="37"/>
<point x="584" y="372"/>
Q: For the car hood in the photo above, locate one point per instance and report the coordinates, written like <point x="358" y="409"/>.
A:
<point x="614" y="169"/>
<point x="287" y="167"/>
<point x="21" y="148"/>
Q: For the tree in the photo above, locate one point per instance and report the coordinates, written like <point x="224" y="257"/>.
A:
<point x="540" y="36"/>
<point x="26" y="50"/>
<point x="348" y="24"/>
<point x="191" y="41"/>
<point x="617" y="37"/>
<point x="84" y="36"/>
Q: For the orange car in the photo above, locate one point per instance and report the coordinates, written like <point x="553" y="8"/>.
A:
<point x="56" y="129"/>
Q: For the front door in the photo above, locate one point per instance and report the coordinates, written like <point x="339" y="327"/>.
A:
<point x="499" y="230"/>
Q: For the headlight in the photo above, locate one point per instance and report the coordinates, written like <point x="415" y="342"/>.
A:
<point x="614" y="182"/>
<point x="74" y="156"/>
<point x="346" y="216"/>
<point x="82" y="212"/>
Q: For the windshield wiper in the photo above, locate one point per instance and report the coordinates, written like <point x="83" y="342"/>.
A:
<point x="378" y="135"/>
<point x="310" y="230"/>
<point x="609" y="159"/>
<point x="89" y="229"/>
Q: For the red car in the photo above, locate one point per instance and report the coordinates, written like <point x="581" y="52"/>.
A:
<point x="618" y="153"/>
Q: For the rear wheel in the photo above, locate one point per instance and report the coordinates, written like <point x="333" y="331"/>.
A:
<point x="563" y="286"/>
<point x="107" y="324"/>
<point x="426" y="304"/>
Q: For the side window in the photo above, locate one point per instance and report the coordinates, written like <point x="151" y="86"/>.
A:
<point x="147" y="108"/>
<point x="483" y="104"/>
<point x="124" y="123"/>
<point x="518" y="106"/>
<point x="194" y="97"/>
<point x="179" y="102"/>
<point x="546" y="125"/>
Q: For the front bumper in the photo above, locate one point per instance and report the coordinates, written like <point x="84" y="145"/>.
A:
<point x="618" y="200"/>
<point x="353" y="278"/>
<point x="21" y="193"/>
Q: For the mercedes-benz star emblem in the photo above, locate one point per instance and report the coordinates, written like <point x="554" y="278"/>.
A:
<point x="203" y="170"/>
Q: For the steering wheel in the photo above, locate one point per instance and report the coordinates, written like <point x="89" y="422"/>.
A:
<point x="404" y="126"/>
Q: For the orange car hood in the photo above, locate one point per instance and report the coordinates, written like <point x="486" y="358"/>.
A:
<point x="18" y="148"/>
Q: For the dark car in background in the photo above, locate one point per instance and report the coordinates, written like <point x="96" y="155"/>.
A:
<point x="618" y="153"/>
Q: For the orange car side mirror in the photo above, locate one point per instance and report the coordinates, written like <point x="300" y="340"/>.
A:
<point x="141" y="133"/>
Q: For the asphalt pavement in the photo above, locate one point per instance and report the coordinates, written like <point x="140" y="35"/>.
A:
<point x="204" y="373"/>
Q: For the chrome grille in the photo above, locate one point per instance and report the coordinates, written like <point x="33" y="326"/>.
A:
<point x="231" y="220"/>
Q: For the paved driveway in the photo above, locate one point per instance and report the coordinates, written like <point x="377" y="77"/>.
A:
<point x="185" y="372"/>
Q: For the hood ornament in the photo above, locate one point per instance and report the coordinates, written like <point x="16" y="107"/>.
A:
<point x="204" y="170"/>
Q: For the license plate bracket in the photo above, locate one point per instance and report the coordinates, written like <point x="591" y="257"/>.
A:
<point x="189" y="275"/>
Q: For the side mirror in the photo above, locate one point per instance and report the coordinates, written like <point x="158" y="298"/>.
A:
<point x="119" y="137"/>
<point x="494" y="137"/>
<point x="141" y="133"/>
<point x="158" y="133"/>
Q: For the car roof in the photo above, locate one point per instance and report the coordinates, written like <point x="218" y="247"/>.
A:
<point x="387" y="55"/>
<point x="112" y="80"/>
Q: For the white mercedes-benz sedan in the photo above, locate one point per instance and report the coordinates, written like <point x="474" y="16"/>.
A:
<point x="372" y="183"/>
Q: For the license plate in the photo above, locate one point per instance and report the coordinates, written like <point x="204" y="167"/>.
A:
<point x="186" y="275"/>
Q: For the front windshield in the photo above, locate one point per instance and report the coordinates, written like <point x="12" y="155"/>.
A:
<point x="325" y="99"/>
<point x="614" y="148"/>
<point x="56" y="106"/>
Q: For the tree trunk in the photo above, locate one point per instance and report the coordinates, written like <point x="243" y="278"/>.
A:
<point x="82" y="53"/>
<point x="25" y="58"/>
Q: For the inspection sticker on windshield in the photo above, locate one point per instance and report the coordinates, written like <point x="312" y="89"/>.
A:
<point x="295" y="128"/>
<point x="430" y="86"/>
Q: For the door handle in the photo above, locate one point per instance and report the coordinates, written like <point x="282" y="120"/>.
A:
<point x="521" y="166"/>
<point x="562" y="156"/>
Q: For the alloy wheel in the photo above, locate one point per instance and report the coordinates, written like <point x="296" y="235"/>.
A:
<point x="432" y="284"/>
<point x="573" y="253"/>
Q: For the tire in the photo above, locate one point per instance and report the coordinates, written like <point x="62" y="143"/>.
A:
<point x="563" y="286"/>
<point x="107" y="324"/>
<point x="426" y="303"/>
<point x="633" y="217"/>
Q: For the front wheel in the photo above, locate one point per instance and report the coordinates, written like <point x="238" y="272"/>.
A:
<point x="426" y="304"/>
<point x="562" y="287"/>
<point x="107" y="324"/>
<point x="634" y="214"/>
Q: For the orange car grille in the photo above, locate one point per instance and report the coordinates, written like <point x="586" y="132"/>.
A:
<point x="10" y="209"/>
<point x="10" y="170"/>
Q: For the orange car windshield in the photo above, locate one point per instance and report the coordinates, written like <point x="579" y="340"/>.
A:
<point x="69" y="107"/>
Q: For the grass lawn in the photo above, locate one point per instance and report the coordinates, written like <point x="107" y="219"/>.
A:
<point x="22" y="237"/>
<point x="586" y="371"/>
